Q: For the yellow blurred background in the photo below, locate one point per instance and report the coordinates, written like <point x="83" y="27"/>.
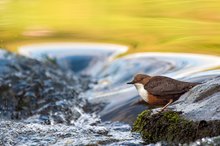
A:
<point x="143" y="25"/>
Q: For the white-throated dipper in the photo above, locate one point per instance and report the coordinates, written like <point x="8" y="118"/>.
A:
<point x="160" y="90"/>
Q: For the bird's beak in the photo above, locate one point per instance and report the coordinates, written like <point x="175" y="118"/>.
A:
<point x="132" y="82"/>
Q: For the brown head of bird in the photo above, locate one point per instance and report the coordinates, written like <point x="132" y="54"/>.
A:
<point x="140" y="79"/>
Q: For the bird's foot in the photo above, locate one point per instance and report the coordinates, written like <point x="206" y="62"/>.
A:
<point x="160" y="110"/>
<point x="156" y="111"/>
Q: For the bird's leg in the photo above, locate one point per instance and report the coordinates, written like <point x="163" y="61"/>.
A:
<point x="163" y="108"/>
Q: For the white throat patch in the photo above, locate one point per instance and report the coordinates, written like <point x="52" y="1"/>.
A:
<point x="142" y="92"/>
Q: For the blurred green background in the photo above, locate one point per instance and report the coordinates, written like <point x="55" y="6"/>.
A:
<point x="144" y="25"/>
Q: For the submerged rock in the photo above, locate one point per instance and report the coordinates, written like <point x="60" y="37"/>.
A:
<point x="173" y="128"/>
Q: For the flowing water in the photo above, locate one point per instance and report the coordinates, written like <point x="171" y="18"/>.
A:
<point x="109" y="121"/>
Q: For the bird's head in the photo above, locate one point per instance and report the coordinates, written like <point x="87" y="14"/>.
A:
<point x="140" y="79"/>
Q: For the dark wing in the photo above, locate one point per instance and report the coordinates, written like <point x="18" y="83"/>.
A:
<point x="164" y="86"/>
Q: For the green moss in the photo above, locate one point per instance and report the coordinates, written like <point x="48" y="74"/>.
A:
<point x="137" y="127"/>
<point x="171" y="127"/>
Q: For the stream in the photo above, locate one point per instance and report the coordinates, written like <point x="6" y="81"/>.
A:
<point x="85" y="99"/>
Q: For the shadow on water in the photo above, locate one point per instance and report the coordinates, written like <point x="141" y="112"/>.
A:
<point x="127" y="112"/>
<point x="108" y="87"/>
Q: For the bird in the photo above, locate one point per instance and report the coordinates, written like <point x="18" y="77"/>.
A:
<point x="160" y="90"/>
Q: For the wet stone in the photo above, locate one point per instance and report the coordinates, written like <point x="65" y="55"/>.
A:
<point x="194" y="116"/>
<point x="29" y="87"/>
<point x="173" y="128"/>
<point x="202" y="102"/>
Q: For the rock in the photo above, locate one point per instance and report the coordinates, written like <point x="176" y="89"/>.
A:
<point x="202" y="102"/>
<point x="200" y="117"/>
<point x="29" y="87"/>
<point x="172" y="127"/>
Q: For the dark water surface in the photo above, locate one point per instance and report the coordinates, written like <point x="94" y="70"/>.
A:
<point x="110" y="123"/>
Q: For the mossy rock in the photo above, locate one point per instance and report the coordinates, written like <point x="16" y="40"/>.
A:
<point x="173" y="128"/>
